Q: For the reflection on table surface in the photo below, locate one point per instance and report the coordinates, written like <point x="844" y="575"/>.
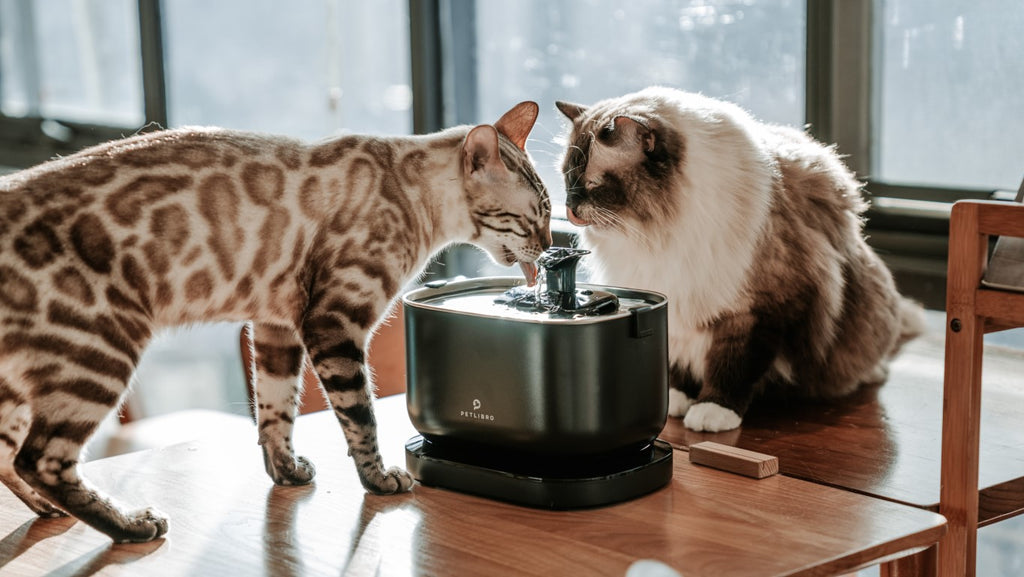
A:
<point x="228" y="518"/>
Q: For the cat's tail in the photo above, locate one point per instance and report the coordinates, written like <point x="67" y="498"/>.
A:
<point x="912" y="323"/>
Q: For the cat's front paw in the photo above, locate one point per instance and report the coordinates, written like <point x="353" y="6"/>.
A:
<point x="290" y="471"/>
<point x="387" y="482"/>
<point x="678" y="403"/>
<point x="143" y="526"/>
<point x="711" y="418"/>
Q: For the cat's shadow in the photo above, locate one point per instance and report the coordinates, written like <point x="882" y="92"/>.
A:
<point x="33" y="532"/>
<point x="29" y="534"/>
<point x="93" y="562"/>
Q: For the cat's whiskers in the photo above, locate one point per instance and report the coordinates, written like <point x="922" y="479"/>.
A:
<point x="577" y="172"/>
<point x="540" y="151"/>
<point x="609" y="218"/>
<point x="550" y="133"/>
<point x="544" y="145"/>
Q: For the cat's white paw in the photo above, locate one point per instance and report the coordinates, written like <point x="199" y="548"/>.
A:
<point x="711" y="418"/>
<point x="678" y="403"/>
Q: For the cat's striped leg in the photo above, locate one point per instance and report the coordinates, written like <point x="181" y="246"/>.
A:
<point x="68" y="405"/>
<point x="15" y="419"/>
<point x="279" y="361"/>
<point x="339" y="361"/>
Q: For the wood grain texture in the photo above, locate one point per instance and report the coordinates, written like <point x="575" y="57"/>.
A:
<point x="996" y="217"/>
<point x="734" y="459"/>
<point x="1004" y="306"/>
<point x="228" y="519"/>
<point x="886" y="441"/>
<point x="965" y="334"/>
<point x="919" y="565"/>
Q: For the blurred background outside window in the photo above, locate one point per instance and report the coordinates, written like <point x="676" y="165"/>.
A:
<point x="749" y="52"/>
<point x="944" y="85"/>
<point x="951" y="93"/>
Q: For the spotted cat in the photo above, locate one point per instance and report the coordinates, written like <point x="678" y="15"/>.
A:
<point x="308" y="242"/>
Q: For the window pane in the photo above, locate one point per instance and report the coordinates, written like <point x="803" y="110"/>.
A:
<point x="306" y="68"/>
<point x="952" y="93"/>
<point x="748" y="51"/>
<point x="74" y="60"/>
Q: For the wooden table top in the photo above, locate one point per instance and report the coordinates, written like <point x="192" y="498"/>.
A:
<point x="227" y="518"/>
<point x="886" y="441"/>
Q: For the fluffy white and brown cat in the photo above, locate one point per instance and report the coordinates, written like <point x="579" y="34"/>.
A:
<point x="753" y="231"/>
<point x="309" y="242"/>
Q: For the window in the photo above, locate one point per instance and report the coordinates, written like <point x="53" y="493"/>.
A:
<point x="748" y="51"/>
<point x="79" y="72"/>
<point x="923" y="97"/>
<point x="309" y="68"/>
<point x="77" y="61"/>
<point x="73" y="73"/>
<point x="951" y="93"/>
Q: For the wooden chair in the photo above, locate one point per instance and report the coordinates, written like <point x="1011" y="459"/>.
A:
<point x="972" y="310"/>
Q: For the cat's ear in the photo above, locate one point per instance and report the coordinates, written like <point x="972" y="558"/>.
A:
<point x="570" y="110"/>
<point x="480" y="150"/>
<point x="638" y="130"/>
<point x="517" y="123"/>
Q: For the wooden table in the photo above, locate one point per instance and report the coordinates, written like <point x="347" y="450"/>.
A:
<point x="227" y="518"/>
<point x="886" y="441"/>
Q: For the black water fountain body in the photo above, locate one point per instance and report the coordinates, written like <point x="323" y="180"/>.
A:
<point x="549" y="396"/>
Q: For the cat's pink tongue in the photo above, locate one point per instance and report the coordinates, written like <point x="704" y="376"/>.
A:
<point x="530" y="272"/>
<point x="575" y="219"/>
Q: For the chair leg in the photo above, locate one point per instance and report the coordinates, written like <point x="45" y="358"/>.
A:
<point x="922" y="564"/>
<point x="961" y="410"/>
<point x="960" y="442"/>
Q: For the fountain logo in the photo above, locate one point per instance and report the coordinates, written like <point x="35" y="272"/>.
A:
<point x="475" y="414"/>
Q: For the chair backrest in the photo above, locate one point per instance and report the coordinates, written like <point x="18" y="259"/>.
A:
<point x="1006" y="266"/>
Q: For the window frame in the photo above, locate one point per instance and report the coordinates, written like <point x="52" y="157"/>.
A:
<point x="30" y="140"/>
<point x="908" y="225"/>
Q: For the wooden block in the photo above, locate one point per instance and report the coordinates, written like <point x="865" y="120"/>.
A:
<point x="734" y="459"/>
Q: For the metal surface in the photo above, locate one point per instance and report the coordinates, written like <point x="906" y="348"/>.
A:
<point x="542" y="385"/>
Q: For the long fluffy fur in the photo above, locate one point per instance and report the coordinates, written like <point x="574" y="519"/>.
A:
<point x="753" y="231"/>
